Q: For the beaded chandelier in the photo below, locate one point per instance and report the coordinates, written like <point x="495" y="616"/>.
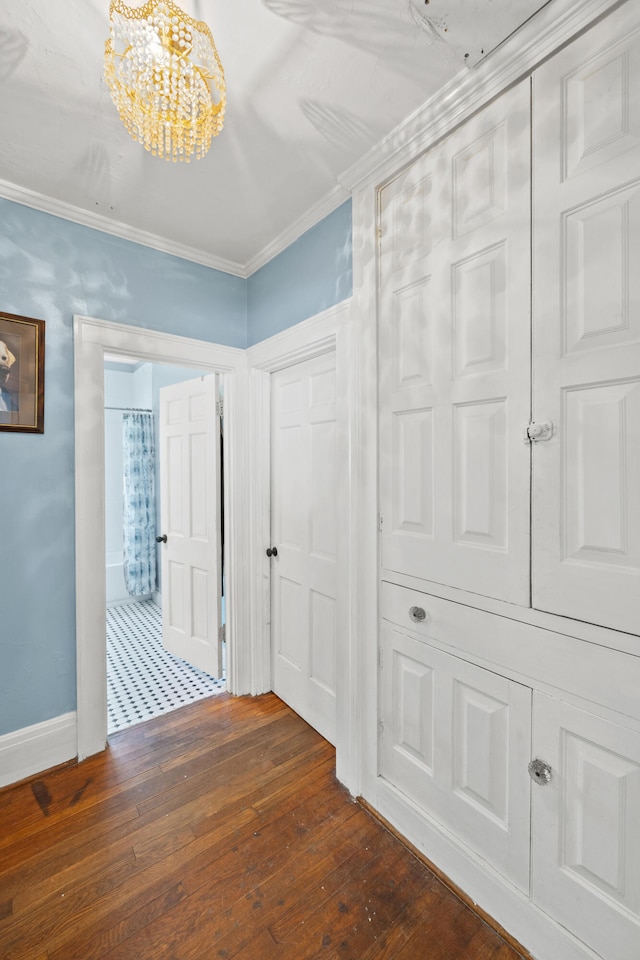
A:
<point x="165" y="77"/>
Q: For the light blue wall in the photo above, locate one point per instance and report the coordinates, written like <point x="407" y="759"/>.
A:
<point x="312" y="274"/>
<point x="50" y="269"/>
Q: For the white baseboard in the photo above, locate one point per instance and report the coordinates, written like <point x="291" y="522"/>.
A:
<point x="39" y="747"/>
<point x="123" y="601"/>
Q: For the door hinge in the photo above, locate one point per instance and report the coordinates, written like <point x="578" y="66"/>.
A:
<point x="380" y="521"/>
<point x="220" y="408"/>
<point x="380" y="657"/>
<point x="539" y="430"/>
<point x="381" y="728"/>
<point x="222" y="633"/>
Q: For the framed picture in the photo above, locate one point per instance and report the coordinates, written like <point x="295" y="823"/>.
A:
<point x="21" y="374"/>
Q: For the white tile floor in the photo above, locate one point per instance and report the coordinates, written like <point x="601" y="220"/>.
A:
<point x="143" y="680"/>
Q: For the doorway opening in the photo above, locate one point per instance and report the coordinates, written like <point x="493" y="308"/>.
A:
<point x="144" y="678"/>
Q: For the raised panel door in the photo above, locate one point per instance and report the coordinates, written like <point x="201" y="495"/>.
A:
<point x="586" y="327"/>
<point x="454" y="338"/>
<point x="586" y="827"/>
<point x="303" y="530"/>
<point x="455" y="740"/>
<point x="190" y="510"/>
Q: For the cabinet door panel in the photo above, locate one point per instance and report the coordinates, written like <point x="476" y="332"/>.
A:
<point x="455" y="739"/>
<point x="454" y="358"/>
<point x="586" y="827"/>
<point x="586" y="327"/>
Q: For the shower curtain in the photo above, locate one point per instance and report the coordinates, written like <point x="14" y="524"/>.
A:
<point x="139" y="503"/>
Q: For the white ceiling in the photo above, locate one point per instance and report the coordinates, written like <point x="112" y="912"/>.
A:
<point x="312" y="85"/>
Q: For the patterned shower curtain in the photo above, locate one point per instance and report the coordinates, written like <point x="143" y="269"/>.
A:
<point x="139" y="503"/>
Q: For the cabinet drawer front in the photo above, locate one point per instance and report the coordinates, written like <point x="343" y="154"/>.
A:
<point x="531" y="655"/>
<point x="586" y="827"/>
<point x="455" y="739"/>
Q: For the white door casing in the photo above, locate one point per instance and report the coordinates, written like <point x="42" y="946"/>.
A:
<point x="304" y="532"/>
<point x="191" y="520"/>
<point x="454" y="348"/>
<point x="586" y="329"/>
<point x="92" y="338"/>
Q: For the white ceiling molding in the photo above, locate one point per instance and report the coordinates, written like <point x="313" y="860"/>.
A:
<point x="329" y="203"/>
<point x="470" y="90"/>
<point x="465" y="93"/>
<point x="314" y="215"/>
<point x="57" y="208"/>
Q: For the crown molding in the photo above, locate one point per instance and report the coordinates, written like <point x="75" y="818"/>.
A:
<point x="86" y="218"/>
<point x="553" y="26"/>
<point x="330" y="202"/>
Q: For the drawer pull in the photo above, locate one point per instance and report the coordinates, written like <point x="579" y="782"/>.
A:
<point x="540" y="772"/>
<point x="418" y="615"/>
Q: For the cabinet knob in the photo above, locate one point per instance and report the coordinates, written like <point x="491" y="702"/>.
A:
<point x="540" y="772"/>
<point x="418" y="615"/>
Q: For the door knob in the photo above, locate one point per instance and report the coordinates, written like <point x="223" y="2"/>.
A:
<point x="162" y="539"/>
<point x="272" y="551"/>
<point x="540" y="772"/>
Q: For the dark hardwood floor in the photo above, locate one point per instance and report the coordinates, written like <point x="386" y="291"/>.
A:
<point x="218" y="831"/>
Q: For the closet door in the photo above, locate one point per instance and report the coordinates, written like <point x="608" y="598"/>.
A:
<point x="586" y="504"/>
<point x="454" y="348"/>
<point x="304" y="532"/>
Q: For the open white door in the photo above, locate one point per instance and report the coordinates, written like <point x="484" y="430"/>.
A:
<point x="191" y="521"/>
<point x="304" y="534"/>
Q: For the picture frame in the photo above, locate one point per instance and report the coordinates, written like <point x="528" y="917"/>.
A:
<point x="21" y="374"/>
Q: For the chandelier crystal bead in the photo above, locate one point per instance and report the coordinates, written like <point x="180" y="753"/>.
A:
<point x="165" y="78"/>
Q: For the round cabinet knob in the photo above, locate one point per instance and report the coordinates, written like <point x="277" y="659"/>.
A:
<point x="540" y="772"/>
<point x="418" y="615"/>
<point x="272" y="551"/>
<point x="162" y="539"/>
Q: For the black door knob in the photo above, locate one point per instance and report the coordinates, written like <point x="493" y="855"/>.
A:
<point x="162" y="539"/>
<point x="272" y="551"/>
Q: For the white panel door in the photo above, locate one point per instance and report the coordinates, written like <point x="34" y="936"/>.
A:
<point x="586" y="488"/>
<point x="455" y="739"/>
<point x="586" y="827"/>
<point x="303" y="531"/>
<point x="190" y="516"/>
<point x="454" y="347"/>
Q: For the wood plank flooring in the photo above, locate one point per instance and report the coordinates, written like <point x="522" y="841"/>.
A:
<point x="218" y="831"/>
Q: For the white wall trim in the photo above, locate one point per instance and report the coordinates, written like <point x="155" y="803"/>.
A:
<point x="92" y="338"/>
<point x="470" y="90"/>
<point x="330" y="330"/>
<point x="511" y="908"/>
<point x="26" y="752"/>
<point x="88" y="218"/>
<point x="97" y="221"/>
<point x="326" y="205"/>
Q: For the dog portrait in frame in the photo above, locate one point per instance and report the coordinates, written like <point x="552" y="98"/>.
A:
<point x="21" y="374"/>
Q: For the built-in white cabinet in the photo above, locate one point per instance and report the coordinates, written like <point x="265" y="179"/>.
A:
<point x="457" y="739"/>
<point x="455" y="390"/>
<point x="509" y="495"/>
<point x="586" y="827"/>
<point x="453" y="739"/>
<point x="586" y="326"/>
